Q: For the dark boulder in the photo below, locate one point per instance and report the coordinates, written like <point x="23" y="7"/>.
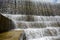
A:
<point x="6" y="24"/>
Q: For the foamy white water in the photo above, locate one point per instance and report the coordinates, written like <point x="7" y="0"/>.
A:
<point x="41" y="28"/>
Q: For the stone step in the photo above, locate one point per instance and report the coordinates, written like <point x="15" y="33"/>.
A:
<point x="24" y="24"/>
<point x="32" y="17"/>
<point x="41" y="32"/>
<point x="36" y="18"/>
<point x="47" y="38"/>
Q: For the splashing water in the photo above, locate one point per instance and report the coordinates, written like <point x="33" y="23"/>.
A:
<point x="40" y="21"/>
<point x="41" y="33"/>
<point x="40" y="28"/>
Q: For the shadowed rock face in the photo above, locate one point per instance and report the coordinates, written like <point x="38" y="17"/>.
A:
<point x="5" y="24"/>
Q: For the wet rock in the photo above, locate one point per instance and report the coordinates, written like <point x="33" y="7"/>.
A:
<point x="6" y="24"/>
<point x="11" y="35"/>
<point x="56" y="24"/>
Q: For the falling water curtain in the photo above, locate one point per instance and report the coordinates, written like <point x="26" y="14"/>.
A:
<point x="29" y="7"/>
<point x="33" y="14"/>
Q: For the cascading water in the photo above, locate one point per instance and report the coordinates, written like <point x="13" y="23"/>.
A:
<point x="41" y="28"/>
<point x="40" y="33"/>
<point x="40" y="21"/>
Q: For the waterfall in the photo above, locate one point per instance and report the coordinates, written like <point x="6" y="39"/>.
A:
<point x="36" y="21"/>
<point x="40" y="28"/>
<point x="40" y="21"/>
<point x="42" y="34"/>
